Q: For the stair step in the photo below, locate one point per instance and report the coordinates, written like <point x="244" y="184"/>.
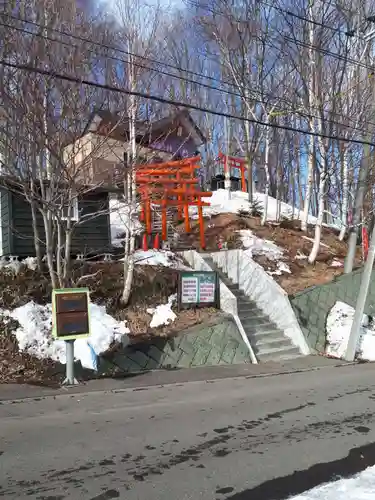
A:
<point x="257" y="321"/>
<point x="288" y="350"/>
<point x="268" y="341"/>
<point x="279" y="356"/>
<point x="271" y="343"/>
<point x="247" y="309"/>
<point x="252" y="314"/>
<point x="252" y="328"/>
<point x="260" y="335"/>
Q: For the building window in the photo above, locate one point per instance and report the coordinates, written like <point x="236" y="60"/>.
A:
<point x="71" y="210"/>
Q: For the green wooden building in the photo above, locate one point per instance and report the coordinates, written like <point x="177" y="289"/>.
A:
<point x="90" y="217"/>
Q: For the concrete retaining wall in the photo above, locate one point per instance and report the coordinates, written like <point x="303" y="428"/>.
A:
<point x="216" y="343"/>
<point x="313" y="305"/>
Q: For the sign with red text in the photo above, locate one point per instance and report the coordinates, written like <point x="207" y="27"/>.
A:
<point x="198" y="289"/>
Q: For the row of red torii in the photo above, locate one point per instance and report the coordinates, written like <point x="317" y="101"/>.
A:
<point x="175" y="184"/>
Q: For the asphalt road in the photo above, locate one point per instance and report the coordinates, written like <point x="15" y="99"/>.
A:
<point x="238" y="439"/>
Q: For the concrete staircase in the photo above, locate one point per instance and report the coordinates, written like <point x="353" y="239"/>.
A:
<point x="268" y="342"/>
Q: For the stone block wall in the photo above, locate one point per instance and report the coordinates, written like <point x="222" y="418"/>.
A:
<point x="215" y="343"/>
<point x="313" y="305"/>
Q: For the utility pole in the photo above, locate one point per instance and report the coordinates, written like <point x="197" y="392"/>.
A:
<point x="368" y="267"/>
<point x="358" y="204"/>
<point x="362" y="176"/>
<point x="361" y="301"/>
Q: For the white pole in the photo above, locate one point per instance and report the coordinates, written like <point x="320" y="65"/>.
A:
<point x="70" y="379"/>
<point x="361" y="301"/>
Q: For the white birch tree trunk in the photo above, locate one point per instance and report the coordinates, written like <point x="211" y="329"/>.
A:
<point x="311" y="100"/>
<point x="309" y="183"/>
<point x="267" y="173"/>
<point x="321" y="205"/>
<point x="132" y="187"/>
<point x="227" y="182"/>
<point x="345" y="198"/>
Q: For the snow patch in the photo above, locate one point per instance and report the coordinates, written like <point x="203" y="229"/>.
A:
<point x="282" y="267"/>
<point x="164" y="258"/>
<point x="359" y="487"/>
<point x="257" y="246"/>
<point x="163" y="314"/>
<point x="221" y="202"/>
<point x="338" y="326"/>
<point x="300" y="255"/>
<point x="122" y="217"/>
<point x="31" y="263"/>
<point x="34" y="333"/>
<point x="336" y="263"/>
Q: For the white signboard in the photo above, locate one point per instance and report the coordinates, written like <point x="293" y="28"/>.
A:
<point x="189" y="290"/>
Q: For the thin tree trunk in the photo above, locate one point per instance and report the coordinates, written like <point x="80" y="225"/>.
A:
<point x="319" y="222"/>
<point x="309" y="183"/>
<point x="59" y="266"/>
<point x="321" y="205"/>
<point x="267" y="172"/>
<point x="345" y="200"/>
<point x="132" y="204"/>
<point x="38" y="249"/>
<point x="49" y="247"/>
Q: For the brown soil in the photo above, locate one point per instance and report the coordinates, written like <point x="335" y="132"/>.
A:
<point x="139" y="319"/>
<point x="288" y="236"/>
<point x="223" y="225"/>
<point x="20" y="368"/>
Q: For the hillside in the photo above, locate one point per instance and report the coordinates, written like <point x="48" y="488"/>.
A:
<point x="280" y="248"/>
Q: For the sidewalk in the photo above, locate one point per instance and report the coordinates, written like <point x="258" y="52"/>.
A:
<point x="9" y="392"/>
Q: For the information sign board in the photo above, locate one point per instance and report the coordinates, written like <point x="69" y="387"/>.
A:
<point x="198" y="289"/>
<point x="70" y="313"/>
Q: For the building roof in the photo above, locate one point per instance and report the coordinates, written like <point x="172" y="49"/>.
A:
<point x="145" y="131"/>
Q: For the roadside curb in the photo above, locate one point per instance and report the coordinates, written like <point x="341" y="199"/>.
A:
<point x="85" y="389"/>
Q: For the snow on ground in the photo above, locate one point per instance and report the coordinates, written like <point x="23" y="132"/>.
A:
<point x="34" y="333"/>
<point x="164" y="258"/>
<point x="358" y="487"/>
<point x="339" y="322"/>
<point x="163" y="314"/>
<point x="221" y="203"/>
<point x="337" y="263"/>
<point x="13" y="265"/>
<point x="256" y="246"/>
<point x="120" y="219"/>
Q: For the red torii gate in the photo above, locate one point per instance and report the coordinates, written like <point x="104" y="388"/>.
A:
<point x="170" y="184"/>
<point x="230" y="162"/>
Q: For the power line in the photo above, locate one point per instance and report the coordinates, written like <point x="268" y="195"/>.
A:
<point x="298" y="42"/>
<point x="327" y="52"/>
<point x="201" y="75"/>
<point x="178" y="104"/>
<point x="349" y="33"/>
<point x="202" y="84"/>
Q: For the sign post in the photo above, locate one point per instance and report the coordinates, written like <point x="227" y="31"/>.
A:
<point x="70" y="321"/>
<point x="198" y="289"/>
